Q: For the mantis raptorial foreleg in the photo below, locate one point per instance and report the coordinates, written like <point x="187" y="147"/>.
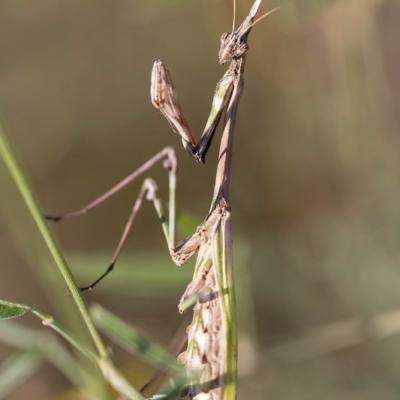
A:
<point x="165" y="99"/>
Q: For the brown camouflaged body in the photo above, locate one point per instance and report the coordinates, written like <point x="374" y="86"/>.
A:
<point x="205" y="358"/>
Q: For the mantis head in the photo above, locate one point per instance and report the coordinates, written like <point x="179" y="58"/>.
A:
<point x="234" y="44"/>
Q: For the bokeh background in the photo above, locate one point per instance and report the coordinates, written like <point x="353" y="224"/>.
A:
<point x="315" y="188"/>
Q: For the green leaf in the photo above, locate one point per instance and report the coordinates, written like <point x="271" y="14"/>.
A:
<point x="132" y="340"/>
<point x="11" y="310"/>
<point x="16" y="370"/>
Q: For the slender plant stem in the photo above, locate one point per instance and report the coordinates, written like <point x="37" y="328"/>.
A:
<point x="27" y="194"/>
<point x="49" y="321"/>
<point x="114" y="377"/>
<point x="230" y="309"/>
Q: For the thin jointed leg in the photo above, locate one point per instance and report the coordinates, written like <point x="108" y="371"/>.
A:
<point x="168" y="153"/>
<point x="148" y="191"/>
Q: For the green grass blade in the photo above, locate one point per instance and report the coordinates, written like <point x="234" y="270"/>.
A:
<point x="16" y="370"/>
<point x="20" y="180"/>
<point x="118" y="381"/>
<point x="222" y="251"/>
<point x="132" y="340"/>
<point x="32" y="204"/>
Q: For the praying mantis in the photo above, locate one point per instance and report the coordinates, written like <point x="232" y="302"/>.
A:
<point x="211" y="354"/>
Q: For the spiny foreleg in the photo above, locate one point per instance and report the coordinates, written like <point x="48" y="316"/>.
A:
<point x="164" y="98"/>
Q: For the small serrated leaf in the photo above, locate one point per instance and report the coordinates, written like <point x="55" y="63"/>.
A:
<point x="12" y="310"/>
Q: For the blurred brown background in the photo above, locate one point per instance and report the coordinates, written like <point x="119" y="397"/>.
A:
<point x="315" y="183"/>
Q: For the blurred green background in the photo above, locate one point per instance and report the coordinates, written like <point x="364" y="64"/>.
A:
<point x="315" y="181"/>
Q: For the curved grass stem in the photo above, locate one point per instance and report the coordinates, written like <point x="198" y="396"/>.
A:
<point x="32" y="204"/>
<point x="109" y="371"/>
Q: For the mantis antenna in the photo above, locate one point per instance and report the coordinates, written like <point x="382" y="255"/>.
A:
<point x="263" y="16"/>
<point x="234" y="16"/>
